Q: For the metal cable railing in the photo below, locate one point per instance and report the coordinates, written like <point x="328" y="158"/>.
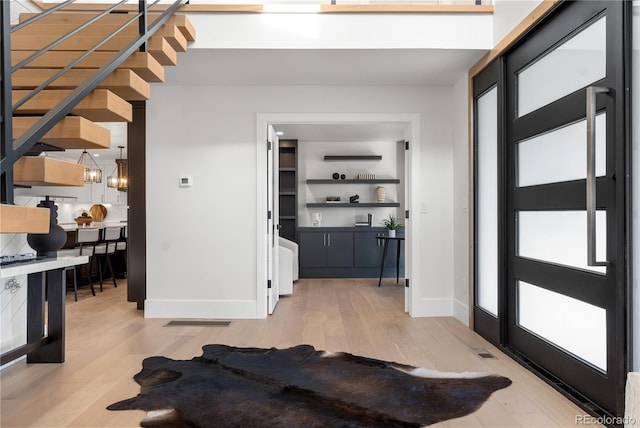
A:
<point x="12" y="149"/>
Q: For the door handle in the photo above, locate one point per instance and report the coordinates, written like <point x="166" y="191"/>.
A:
<point x="592" y="91"/>
<point x="328" y="239"/>
<point x="324" y="239"/>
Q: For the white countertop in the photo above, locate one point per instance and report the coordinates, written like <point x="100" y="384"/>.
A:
<point x="24" y="268"/>
<point x="95" y="225"/>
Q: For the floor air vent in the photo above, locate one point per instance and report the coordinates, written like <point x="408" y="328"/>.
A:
<point x="196" y="323"/>
<point x="484" y="354"/>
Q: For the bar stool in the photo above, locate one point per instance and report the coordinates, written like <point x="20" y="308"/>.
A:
<point x="86" y="240"/>
<point x="105" y="249"/>
<point x="121" y="245"/>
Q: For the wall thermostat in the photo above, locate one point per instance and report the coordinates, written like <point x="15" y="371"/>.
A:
<point x="186" y="181"/>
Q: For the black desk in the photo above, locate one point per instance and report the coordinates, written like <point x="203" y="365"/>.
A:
<point x="385" y="241"/>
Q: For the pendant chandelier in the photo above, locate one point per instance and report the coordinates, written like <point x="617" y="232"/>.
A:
<point x="119" y="177"/>
<point x="92" y="172"/>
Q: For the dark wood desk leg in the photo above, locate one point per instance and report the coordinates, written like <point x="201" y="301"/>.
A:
<point x="384" y="256"/>
<point x="53" y="352"/>
<point x="398" y="261"/>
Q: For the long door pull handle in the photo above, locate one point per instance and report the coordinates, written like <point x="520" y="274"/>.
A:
<point x="592" y="91"/>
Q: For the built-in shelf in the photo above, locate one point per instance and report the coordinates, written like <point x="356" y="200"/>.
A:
<point x="287" y="169"/>
<point x="287" y="217"/>
<point x="352" y="181"/>
<point x="287" y="192"/>
<point x="352" y="157"/>
<point x="349" y="205"/>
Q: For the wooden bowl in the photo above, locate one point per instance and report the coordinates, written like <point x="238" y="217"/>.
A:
<point x="84" y="221"/>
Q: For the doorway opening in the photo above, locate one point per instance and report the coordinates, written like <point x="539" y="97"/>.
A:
<point x="366" y="138"/>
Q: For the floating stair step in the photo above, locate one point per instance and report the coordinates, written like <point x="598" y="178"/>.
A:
<point x="72" y="132"/>
<point x="45" y="171"/>
<point x="18" y="219"/>
<point x="181" y="21"/>
<point x="141" y="63"/>
<point x="101" y="105"/>
<point x="156" y="46"/>
<point x="97" y="30"/>
<point x="124" y="83"/>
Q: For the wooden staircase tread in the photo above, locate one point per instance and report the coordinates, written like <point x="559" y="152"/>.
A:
<point x="141" y="63"/>
<point x="19" y="219"/>
<point x="124" y="83"/>
<point x="180" y="20"/>
<point x="72" y="132"/>
<point x="95" y="32"/>
<point x="101" y="105"/>
<point x="46" y="171"/>
<point x="156" y="46"/>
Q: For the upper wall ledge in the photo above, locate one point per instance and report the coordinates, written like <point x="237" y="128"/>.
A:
<point x="288" y="7"/>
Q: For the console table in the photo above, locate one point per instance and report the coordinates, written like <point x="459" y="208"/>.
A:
<point x="385" y="240"/>
<point x="41" y="347"/>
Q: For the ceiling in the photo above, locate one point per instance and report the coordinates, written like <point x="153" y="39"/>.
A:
<point x="392" y="67"/>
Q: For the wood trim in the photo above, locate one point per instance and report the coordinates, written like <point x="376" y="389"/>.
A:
<point x="324" y="8"/>
<point x="542" y="10"/>
<point x="17" y="219"/>
<point x="44" y="171"/>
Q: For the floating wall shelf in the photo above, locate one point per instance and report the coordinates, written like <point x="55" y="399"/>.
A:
<point x="349" y="205"/>
<point x="353" y="181"/>
<point x="353" y="157"/>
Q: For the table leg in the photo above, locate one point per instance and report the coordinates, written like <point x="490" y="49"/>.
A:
<point x="53" y="351"/>
<point x="398" y="261"/>
<point x="384" y="256"/>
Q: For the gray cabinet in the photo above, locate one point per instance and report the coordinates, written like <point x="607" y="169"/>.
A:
<point x="346" y="252"/>
<point x="326" y="249"/>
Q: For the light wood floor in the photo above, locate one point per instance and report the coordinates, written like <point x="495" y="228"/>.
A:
<point x="107" y="339"/>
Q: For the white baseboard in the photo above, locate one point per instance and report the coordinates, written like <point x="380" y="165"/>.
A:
<point x="201" y="309"/>
<point x="432" y="308"/>
<point x="461" y="311"/>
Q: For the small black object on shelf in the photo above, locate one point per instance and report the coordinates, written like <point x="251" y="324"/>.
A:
<point x="342" y="176"/>
<point x="354" y="199"/>
<point x="335" y="175"/>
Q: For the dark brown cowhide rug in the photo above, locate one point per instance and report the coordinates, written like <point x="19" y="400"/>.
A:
<point x="300" y="387"/>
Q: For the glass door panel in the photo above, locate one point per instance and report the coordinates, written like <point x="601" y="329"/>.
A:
<point x="560" y="237"/>
<point x="561" y="154"/>
<point x="574" y="64"/>
<point x="575" y="326"/>
<point x="487" y="202"/>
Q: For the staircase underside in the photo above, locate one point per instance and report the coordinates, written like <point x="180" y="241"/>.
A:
<point x="110" y="102"/>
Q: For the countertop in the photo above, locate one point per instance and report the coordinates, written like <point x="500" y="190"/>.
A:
<point x="95" y="225"/>
<point x="24" y="268"/>
<point x="344" y="229"/>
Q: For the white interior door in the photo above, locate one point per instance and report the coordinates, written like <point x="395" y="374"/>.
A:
<point x="272" y="219"/>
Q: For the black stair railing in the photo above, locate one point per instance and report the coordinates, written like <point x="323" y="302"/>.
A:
<point x="12" y="149"/>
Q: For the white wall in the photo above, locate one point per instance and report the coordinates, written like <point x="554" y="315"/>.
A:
<point x="508" y="14"/>
<point x="201" y="241"/>
<point x="461" y="239"/>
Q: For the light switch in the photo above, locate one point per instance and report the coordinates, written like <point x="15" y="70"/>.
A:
<point x="423" y="207"/>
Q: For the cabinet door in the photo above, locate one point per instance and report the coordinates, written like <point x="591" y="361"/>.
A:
<point x="312" y="249"/>
<point x="340" y="249"/>
<point x="368" y="249"/>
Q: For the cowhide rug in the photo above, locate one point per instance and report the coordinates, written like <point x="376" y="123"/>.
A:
<point x="300" y="387"/>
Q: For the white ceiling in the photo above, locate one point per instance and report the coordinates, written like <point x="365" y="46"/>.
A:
<point x="394" y="67"/>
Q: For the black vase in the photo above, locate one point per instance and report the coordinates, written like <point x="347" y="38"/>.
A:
<point x="48" y="244"/>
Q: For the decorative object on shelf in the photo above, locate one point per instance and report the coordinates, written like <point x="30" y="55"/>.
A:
<point x="335" y="175"/>
<point x="381" y="194"/>
<point x="85" y="219"/>
<point x="366" y="176"/>
<point x="91" y="174"/>
<point x="342" y="176"/>
<point x="333" y="199"/>
<point x="317" y="219"/>
<point x="48" y="244"/>
<point x="391" y="224"/>
<point x="119" y="177"/>
<point x="354" y="199"/>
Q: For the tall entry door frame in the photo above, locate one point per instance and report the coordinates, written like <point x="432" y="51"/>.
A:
<point x="551" y="189"/>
